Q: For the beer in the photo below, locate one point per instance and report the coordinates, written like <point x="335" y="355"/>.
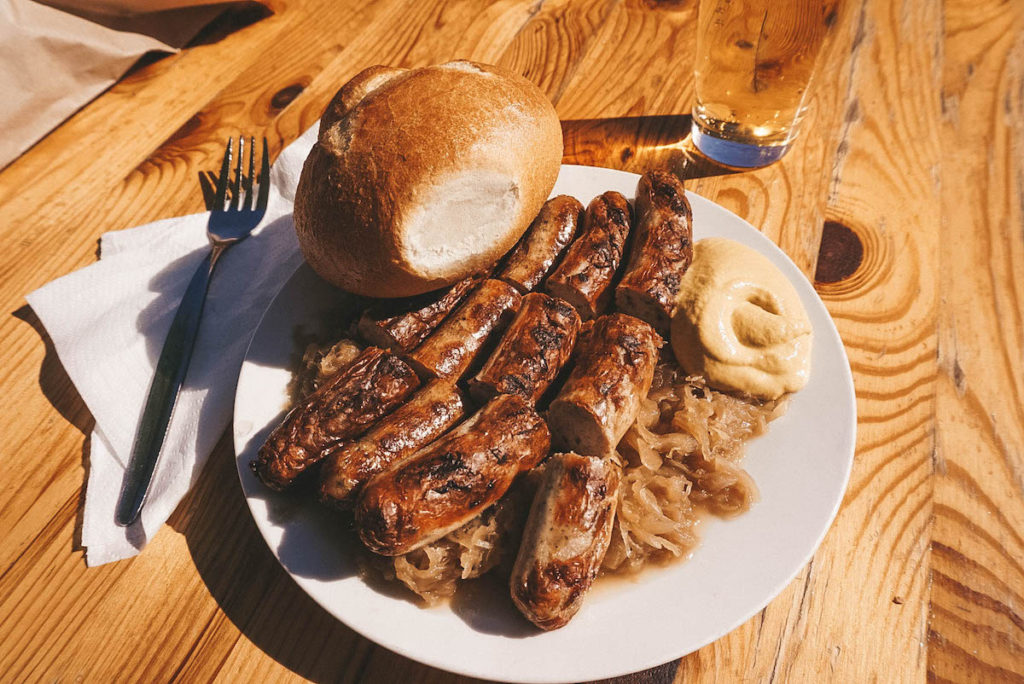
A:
<point x="755" y="61"/>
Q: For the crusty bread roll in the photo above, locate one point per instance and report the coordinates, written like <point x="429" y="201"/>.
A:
<point x="421" y="177"/>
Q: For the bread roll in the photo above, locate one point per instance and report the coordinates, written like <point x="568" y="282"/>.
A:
<point x="422" y="177"/>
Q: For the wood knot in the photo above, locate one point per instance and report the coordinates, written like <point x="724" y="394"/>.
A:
<point x="283" y="97"/>
<point x="840" y="254"/>
<point x="831" y="17"/>
<point x="626" y="154"/>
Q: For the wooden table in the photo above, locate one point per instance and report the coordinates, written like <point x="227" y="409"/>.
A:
<point x="909" y="177"/>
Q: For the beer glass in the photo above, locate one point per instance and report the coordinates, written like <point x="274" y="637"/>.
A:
<point x="755" y="62"/>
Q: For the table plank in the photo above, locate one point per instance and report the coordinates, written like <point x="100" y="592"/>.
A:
<point x="976" y="630"/>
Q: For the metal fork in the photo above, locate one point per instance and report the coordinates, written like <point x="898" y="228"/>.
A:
<point x="229" y="223"/>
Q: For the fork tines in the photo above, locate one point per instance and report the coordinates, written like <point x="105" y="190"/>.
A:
<point x="242" y="184"/>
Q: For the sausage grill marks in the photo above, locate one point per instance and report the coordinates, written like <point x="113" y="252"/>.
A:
<point x="565" y="538"/>
<point x="662" y="249"/>
<point x="535" y="347"/>
<point x="544" y="241"/>
<point x="613" y="371"/>
<point x="450" y="350"/>
<point x="585" y="275"/>
<point x="344" y="406"/>
<point x="424" y="418"/>
<point x="401" y="325"/>
<point x="449" y="482"/>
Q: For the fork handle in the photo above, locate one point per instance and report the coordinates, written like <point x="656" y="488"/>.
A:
<point x="163" y="392"/>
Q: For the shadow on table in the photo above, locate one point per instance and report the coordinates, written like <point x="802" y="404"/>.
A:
<point x="54" y="381"/>
<point x="231" y="19"/>
<point x="58" y="389"/>
<point x="637" y="144"/>
<point x="249" y="585"/>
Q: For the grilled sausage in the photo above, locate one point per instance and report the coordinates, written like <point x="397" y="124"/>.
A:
<point x="450" y="349"/>
<point x="613" y="371"/>
<point x="535" y="347"/>
<point x="449" y="482"/>
<point x="585" y="275"/>
<point x="424" y="418"/>
<point x="400" y="325"/>
<point x="565" y="539"/>
<point x="344" y="406"/>
<point x="662" y="250"/>
<point x="544" y="241"/>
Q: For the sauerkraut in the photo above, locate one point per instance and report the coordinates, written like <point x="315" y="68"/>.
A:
<point x="681" y="458"/>
<point x="319" y="363"/>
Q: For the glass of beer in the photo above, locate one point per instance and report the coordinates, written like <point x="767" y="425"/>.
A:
<point x="755" y="62"/>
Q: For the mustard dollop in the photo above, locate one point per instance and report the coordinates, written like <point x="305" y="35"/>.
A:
<point x="740" y="323"/>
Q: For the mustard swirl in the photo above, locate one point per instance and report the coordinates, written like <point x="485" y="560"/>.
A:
<point x="740" y="323"/>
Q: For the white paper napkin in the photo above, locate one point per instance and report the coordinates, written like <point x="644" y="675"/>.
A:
<point x="108" y="322"/>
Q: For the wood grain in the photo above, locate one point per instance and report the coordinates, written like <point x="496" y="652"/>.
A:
<point x="914" y="146"/>
<point x="976" y="630"/>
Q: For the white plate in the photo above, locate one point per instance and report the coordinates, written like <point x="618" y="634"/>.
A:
<point x="801" y="467"/>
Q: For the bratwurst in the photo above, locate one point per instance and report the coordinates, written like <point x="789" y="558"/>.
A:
<point x="400" y="325"/>
<point x="585" y="275"/>
<point x="344" y="406"/>
<point x="424" y="418"/>
<point x="613" y="371"/>
<point x="448" y="483"/>
<point x="536" y="345"/>
<point x="661" y="252"/>
<point x="566" y="538"/>
<point x="452" y="347"/>
<point x="544" y="241"/>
